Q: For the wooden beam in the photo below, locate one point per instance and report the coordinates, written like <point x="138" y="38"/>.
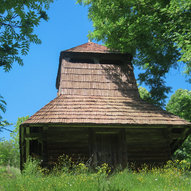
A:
<point x="86" y="125"/>
<point x="33" y="136"/>
<point x="27" y="144"/>
<point x="106" y="133"/>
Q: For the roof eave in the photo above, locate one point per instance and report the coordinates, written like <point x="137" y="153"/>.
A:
<point x="110" y="125"/>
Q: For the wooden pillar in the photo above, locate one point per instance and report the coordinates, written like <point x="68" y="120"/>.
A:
<point x="44" y="146"/>
<point x="22" y="147"/>
<point x="124" y="148"/>
<point x="114" y="147"/>
<point x="92" y="147"/>
<point x="120" y="148"/>
<point x="27" y="143"/>
<point x="166" y="135"/>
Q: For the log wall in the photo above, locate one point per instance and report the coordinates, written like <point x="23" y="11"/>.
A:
<point x="148" y="145"/>
<point x="115" y="146"/>
<point x="69" y="141"/>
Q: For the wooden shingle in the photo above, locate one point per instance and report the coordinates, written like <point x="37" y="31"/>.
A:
<point x="103" y="110"/>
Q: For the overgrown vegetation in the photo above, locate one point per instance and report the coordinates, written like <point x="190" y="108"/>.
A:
<point x="173" y="176"/>
<point x="9" y="149"/>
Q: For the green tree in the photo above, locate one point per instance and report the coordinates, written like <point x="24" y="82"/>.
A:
<point x="9" y="149"/>
<point x="8" y="154"/>
<point x="156" y="33"/>
<point x="15" y="133"/>
<point x="17" y="22"/>
<point x="3" y="104"/>
<point x="180" y="104"/>
<point x="146" y="96"/>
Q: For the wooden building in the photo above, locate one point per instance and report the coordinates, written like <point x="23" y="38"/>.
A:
<point x="99" y="116"/>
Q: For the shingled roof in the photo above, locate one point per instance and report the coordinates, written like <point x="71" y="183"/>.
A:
<point x="89" y="47"/>
<point x="92" y="79"/>
<point x="95" y="93"/>
<point x="103" y="110"/>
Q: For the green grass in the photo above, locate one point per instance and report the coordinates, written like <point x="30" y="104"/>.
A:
<point x="170" y="178"/>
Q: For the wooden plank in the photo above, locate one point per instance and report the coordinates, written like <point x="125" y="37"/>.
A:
<point x="148" y="153"/>
<point x="69" y="150"/>
<point x="68" y="128"/>
<point x="147" y="149"/>
<point x="149" y="158"/>
<point x="67" y="140"/>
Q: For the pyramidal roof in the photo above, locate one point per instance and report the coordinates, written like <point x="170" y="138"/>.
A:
<point x="95" y="93"/>
<point x="89" y="47"/>
<point x="70" y="109"/>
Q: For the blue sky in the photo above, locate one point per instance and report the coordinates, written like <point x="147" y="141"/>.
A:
<point x="28" y="88"/>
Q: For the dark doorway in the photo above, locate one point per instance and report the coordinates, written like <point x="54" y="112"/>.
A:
<point x="107" y="151"/>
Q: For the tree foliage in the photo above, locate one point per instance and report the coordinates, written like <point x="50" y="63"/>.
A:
<point x="9" y="149"/>
<point x="15" y="133"/>
<point x="17" y="22"/>
<point x="2" y="109"/>
<point x="2" y="104"/>
<point x="156" y="33"/>
<point x="146" y="96"/>
<point x="8" y="154"/>
<point x="180" y="104"/>
<point x="184" y="151"/>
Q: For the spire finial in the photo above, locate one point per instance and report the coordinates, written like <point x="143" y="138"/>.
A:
<point x="89" y="40"/>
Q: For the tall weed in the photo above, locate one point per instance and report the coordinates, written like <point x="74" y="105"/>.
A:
<point x="78" y="177"/>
